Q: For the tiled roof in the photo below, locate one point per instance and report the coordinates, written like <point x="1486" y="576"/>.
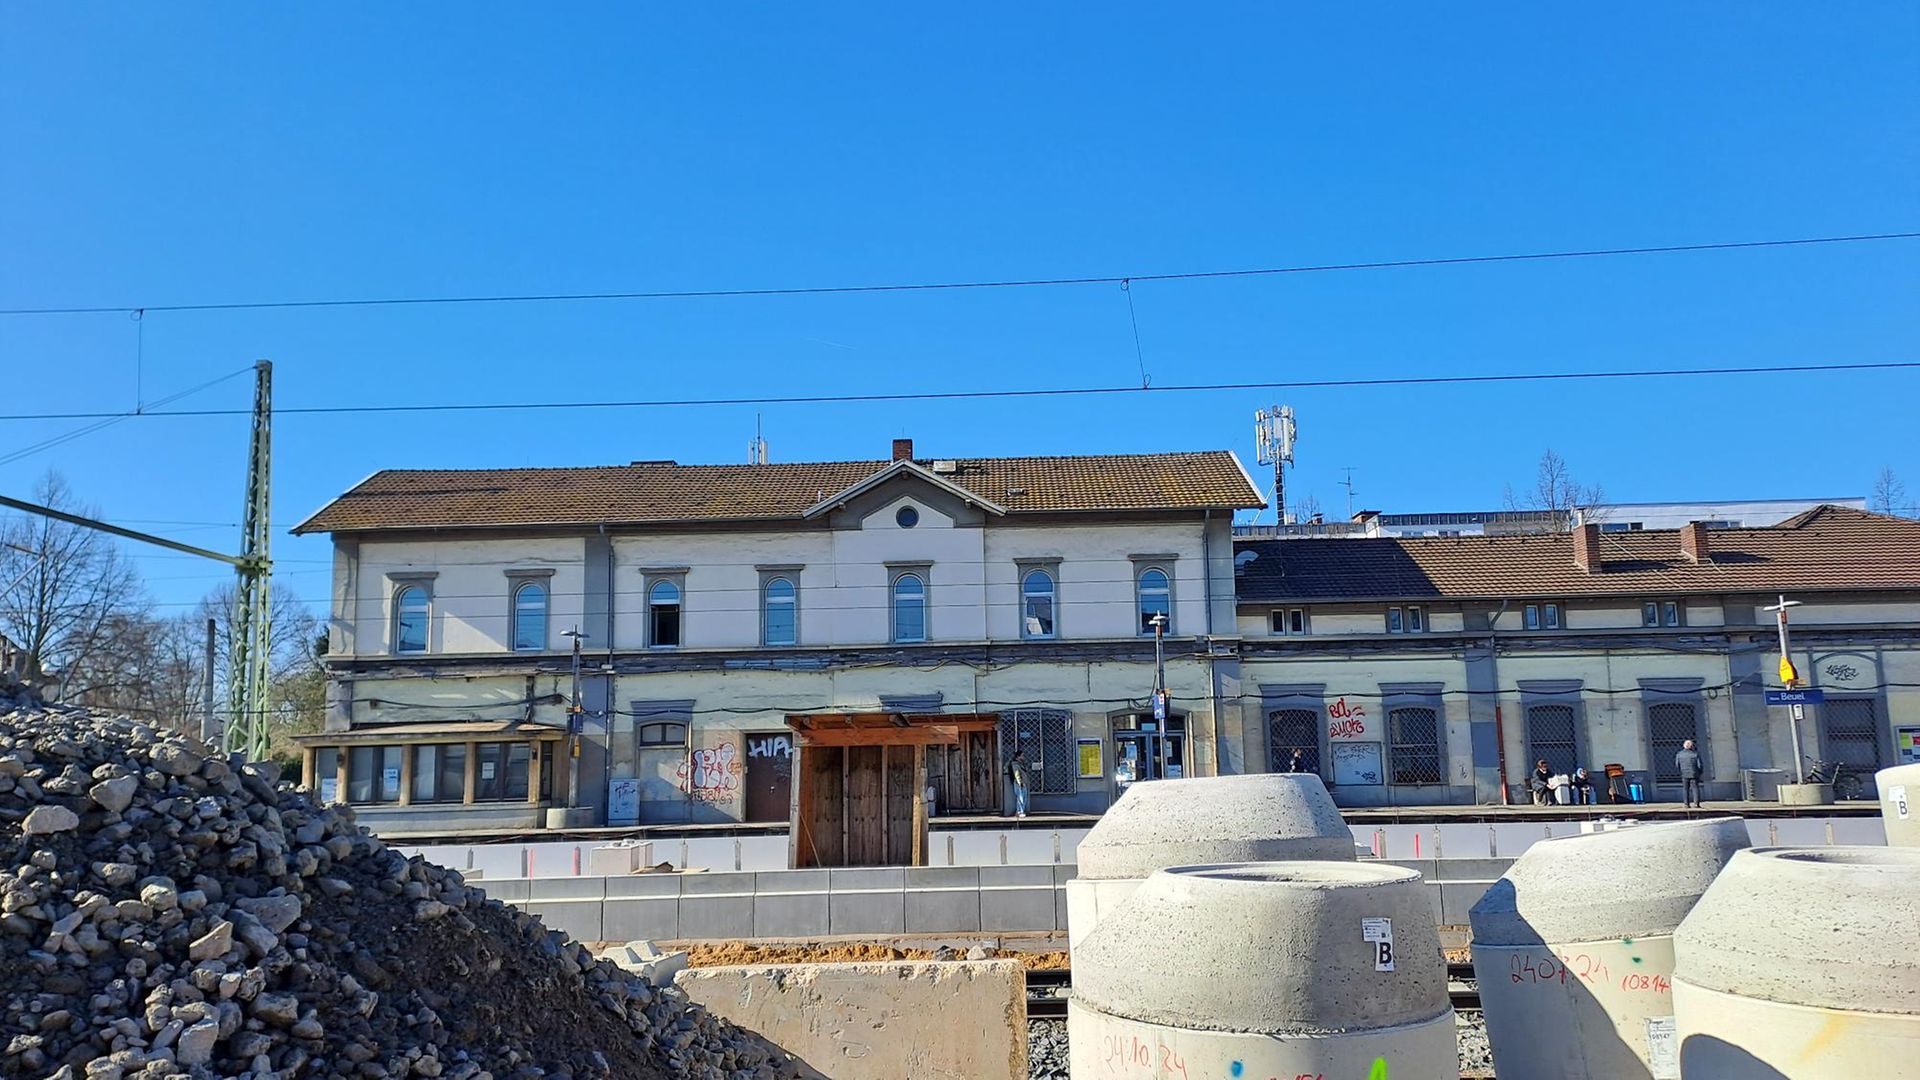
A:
<point x="651" y="493"/>
<point x="1828" y="548"/>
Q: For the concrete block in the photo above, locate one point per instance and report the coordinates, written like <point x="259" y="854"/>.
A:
<point x="653" y="918"/>
<point x="1457" y="899"/>
<point x="1018" y="898"/>
<point x="568" y="888"/>
<point x="716" y="906"/>
<point x="1806" y="794"/>
<point x="611" y="861"/>
<point x="1003" y="877"/>
<point x="507" y="890"/>
<point x="578" y="919"/>
<point x="943" y="900"/>
<point x="652" y="886"/>
<point x="1215" y="819"/>
<point x="647" y="960"/>
<point x="892" y="1021"/>
<point x="790" y="904"/>
<point x="867" y="900"/>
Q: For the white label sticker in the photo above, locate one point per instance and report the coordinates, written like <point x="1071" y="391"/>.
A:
<point x="1661" y="1056"/>
<point x="1897" y="795"/>
<point x="1379" y="933"/>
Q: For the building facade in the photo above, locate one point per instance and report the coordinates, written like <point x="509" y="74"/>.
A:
<point x="1439" y="670"/>
<point x="724" y="611"/>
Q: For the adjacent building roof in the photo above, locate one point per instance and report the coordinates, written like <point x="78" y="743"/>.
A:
<point x="664" y="492"/>
<point x="1825" y="549"/>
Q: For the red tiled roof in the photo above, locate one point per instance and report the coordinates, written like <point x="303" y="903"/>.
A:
<point x="1826" y="549"/>
<point x="652" y="493"/>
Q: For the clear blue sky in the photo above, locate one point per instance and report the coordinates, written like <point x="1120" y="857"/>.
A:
<point x="162" y="153"/>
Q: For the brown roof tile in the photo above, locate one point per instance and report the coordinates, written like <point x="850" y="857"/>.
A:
<point x="653" y="493"/>
<point x="1829" y="548"/>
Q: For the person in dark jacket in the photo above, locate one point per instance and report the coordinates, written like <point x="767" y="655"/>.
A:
<point x="1687" y="761"/>
<point x="1539" y="781"/>
<point x="1582" y="787"/>
<point x="1298" y="762"/>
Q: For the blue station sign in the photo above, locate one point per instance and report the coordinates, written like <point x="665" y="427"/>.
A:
<point x="1796" y="697"/>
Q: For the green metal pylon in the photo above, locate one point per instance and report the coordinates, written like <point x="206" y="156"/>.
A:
<point x="249" y="681"/>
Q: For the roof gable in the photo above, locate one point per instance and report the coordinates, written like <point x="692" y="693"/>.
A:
<point x="892" y="473"/>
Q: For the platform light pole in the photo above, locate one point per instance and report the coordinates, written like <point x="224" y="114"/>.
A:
<point x="1789" y="678"/>
<point x="576" y="720"/>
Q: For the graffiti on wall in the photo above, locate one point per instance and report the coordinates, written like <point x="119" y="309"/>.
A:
<point x="711" y="773"/>
<point x="773" y="746"/>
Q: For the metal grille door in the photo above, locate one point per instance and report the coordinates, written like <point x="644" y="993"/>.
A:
<point x="1669" y="725"/>
<point x="1288" y="729"/>
<point x="1553" y="735"/>
<point x="1047" y="737"/>
<point x="1415" y="734"/>
<point x="1853" y="732"/>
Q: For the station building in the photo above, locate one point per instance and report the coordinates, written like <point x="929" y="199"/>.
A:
<point x="1420" y="671"/>
<point x="910" y="621"/>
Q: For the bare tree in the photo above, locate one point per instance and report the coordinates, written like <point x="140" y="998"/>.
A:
<point x="1305" y="509"/>
<point x="298" y="683"/>
<point x="63" y="588"/>
<point x="1889" y="493"/>
<point x="1556" y="491"/>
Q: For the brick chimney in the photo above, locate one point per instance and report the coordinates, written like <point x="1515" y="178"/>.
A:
<point x="903" y="449"/>
<point x="1586" y="546"/>
<point x="1694" y="543"/>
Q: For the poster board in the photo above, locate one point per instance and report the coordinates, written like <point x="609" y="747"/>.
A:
<point x="1091" y="763"/>
<point x="1907" y="748"/>
<point x="1357" y="763"/>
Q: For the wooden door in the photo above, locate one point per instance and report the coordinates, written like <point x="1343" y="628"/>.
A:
<point x="769" y="776"/>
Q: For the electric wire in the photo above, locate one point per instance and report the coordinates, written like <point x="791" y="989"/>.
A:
<point x="110" y="419"/>
<point x="1008" y="283"/>
<point x="1048" y="392"/>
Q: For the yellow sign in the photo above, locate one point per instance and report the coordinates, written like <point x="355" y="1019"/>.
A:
<point x="1788" y="676"/>
<point x="1089" y="757"/>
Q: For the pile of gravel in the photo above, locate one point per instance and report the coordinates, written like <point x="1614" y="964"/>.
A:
<point x="165" y="914"/>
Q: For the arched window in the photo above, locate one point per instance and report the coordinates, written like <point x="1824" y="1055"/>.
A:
<point x="663" y="614"/>
<point x="410" y="615"/>
<point x="1036" y="604"/>
<point x="781" y="621"/>
<point x="909" y="608"/>
<point x="530" y="617"/>
<point x="1156" y="598"/>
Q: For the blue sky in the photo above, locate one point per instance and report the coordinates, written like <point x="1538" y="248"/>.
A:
<point x="171" y="154"/>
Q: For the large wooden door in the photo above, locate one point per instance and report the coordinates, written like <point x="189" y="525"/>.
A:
<point x="769" y="776"/>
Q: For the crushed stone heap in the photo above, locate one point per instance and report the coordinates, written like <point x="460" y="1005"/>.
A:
<point x="165" y="914"/>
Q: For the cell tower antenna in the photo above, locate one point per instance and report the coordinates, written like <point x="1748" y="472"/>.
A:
<point x="757" y="449"/>
<point x="1274" y="433"/>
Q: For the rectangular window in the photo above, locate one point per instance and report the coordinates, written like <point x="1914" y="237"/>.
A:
<point x="1669" y="725"/>
<point x="1553" y="735"/>
<point x="1288" y="620"/>
<point x="1414" y="734"/>
<point x="373" y="774"/>
<point x="1551" y="612"/>
<point x="1533" y="616"/>
<point x="1052" y="754"/>
<point x="1416" y="621"/>
<point x="1394" y="625"/>
<point x="519" y="761"/>
<point x="1853" y="732"/>
<point x="1289" y="730"/>
<point x="490" y="773"/>
<point x="326" y="773"/>
<point x="1670" y="613"/>
<point x="426" y="773"/>
<point x="1650" y="614"/>
<point x="452" y="783"/>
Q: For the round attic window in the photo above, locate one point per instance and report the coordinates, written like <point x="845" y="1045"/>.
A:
<point x="907" y="517"/>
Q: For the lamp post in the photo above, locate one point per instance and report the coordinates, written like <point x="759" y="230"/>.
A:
<point x="575" y="714"/>
<point x="1160" y="709"/>
<point x="1789" y="678"/>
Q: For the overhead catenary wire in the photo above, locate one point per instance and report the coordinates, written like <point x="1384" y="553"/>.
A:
<point x="107" y="420"/>
<point x="1003" y="283"/>
<point x="1045" y="392"/>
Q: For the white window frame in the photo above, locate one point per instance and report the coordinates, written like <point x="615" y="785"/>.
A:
<point x="651" y="580"/>
<point x="922" y="576"/>
<point x="1395" y="625"/>
<point x="1025" y="570"/>
<point x="1140" y="597"/>
<point x="1544" y="615"/>
<point x="769" y="575"/>
<point x="401" y="585"/>
<point x="1288" y="622"/>
<point x="518" y="580"/>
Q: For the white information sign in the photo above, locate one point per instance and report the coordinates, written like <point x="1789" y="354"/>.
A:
<point x="1379" y="933"/>
<point x="1663" y="1057"/>
<point x="1897" y="795"/>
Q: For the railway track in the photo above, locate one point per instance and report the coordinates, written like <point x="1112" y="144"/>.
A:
<point x="1048" y="990"/>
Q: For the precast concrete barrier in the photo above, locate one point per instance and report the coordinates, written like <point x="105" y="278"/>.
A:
<point x="1273" y="969"/>
<point x="1803" y="964"/>
<point x="1899" y="793"/>
<point x="1573" y="949"/>
<point x="1203" y="820"/>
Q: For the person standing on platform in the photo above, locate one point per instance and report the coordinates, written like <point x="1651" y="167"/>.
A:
<point x="1017" y="772"/>
<point x="1687" y="761"/>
